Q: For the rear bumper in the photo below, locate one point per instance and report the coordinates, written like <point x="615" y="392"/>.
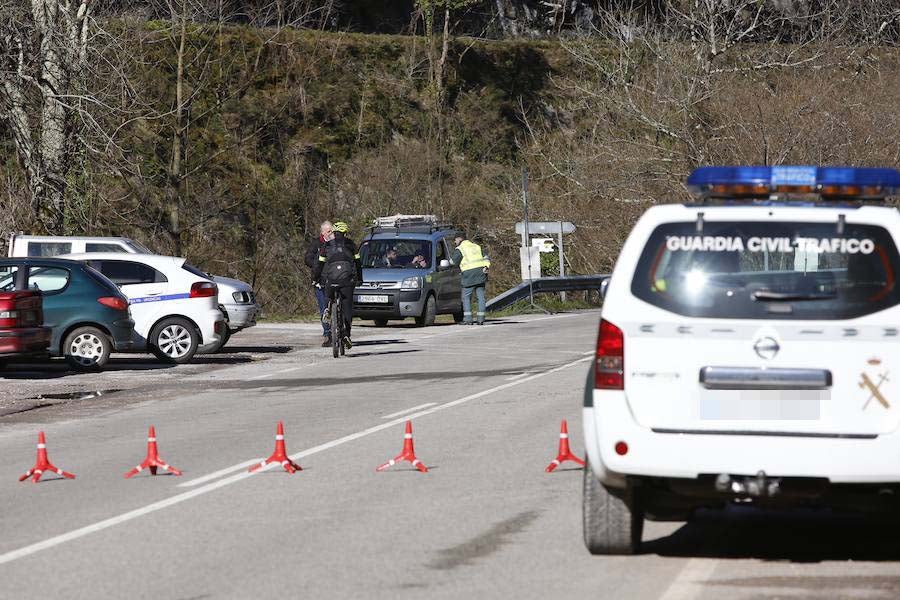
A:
<point x="24" y="342"/>
<point x="211" y="330"/>
<point x="122" y="333"/>
<point x="862" y="459"/>
<point x="400" y="304"/>
<point x="241" y="316"/>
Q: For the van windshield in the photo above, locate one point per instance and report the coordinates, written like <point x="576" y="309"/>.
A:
<point x="396" y="254"/>
<point x="777" y="270"/>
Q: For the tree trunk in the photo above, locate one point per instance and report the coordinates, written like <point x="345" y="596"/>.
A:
<point x="174" y="183"/>
<point x="42" y="124"/>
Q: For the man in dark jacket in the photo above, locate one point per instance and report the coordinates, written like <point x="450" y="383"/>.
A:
<point x="312" y="261"/>
<point x="339" y="265"/>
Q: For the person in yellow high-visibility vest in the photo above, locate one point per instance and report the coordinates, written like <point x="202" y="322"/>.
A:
<point x="474" y="266"/>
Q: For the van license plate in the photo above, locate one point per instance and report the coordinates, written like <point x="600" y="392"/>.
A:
<point x="372" y="299"/>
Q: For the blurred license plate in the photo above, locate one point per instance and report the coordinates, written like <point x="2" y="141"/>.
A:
<point x="372" y="299"/>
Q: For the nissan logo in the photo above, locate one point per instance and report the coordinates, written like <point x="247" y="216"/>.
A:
<point x="766" y="348"/>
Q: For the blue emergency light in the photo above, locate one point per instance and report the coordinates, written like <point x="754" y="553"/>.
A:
<point x="856" y="183"/>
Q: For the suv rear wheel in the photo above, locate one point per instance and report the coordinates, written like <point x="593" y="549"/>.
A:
<point x="613" y="520"/>
<point x="428" y="313"/>
<point x="87" y="348"/>
<point x="174" y="340"/>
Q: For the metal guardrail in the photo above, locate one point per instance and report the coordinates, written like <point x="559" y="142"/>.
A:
<point x="545" y="285"/>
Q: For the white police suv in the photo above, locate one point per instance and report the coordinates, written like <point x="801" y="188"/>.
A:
<point x="749" y="351"/>
<point x="174" y="305"/>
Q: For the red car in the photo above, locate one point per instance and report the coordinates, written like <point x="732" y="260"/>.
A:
<point x="22" y="331"/>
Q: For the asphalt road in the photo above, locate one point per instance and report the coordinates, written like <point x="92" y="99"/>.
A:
<point x="486" y="521"/>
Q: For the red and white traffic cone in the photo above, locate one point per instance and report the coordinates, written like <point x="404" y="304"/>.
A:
<point x="153" y="461"/>
<point x="408" y="453"/>
<point x="279" y="456"/>
<point x="564" y="453"/>
<point x="43" y="464"/>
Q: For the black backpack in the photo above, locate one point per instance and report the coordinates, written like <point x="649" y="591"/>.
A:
<point x="339" y="265"/>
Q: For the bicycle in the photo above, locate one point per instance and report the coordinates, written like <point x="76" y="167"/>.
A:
<point x="337" y="322"/>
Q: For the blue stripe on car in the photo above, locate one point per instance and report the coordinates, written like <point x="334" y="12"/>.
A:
<point x="159" y="298"/>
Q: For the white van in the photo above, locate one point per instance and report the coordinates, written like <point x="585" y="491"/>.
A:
<point x="236" y="298"/>
<point x="748" y="352"/>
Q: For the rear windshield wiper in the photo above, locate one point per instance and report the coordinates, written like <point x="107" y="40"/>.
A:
<point x="791" y="296"/>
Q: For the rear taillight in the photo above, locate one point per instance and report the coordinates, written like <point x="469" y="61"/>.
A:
<point x="204" y="289"/>
<point x="609" y="372"/>
<point x="9" y="318"/>
<point x="114" y="302"/>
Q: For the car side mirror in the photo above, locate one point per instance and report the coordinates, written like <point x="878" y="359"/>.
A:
<point x="445" y="264"/>
<point x="604" y="285"/>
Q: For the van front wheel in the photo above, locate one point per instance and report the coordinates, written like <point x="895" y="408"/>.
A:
<point x="428" y="313"/>
<point x="613" y="520"/>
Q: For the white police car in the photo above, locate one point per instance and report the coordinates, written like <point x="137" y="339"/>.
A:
<point x="749" y="351"/>
<point x="174" y="305"/>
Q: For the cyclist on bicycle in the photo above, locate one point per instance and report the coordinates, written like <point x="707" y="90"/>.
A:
<point x="339" y="269"/>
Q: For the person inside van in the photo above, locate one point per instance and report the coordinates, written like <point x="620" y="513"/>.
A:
<point x="390" y="259"/>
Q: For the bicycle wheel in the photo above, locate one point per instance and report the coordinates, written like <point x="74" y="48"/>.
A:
<point x="337" y="329"/>
<point x="343" y="330"/>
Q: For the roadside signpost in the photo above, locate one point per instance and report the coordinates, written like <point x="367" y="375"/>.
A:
<point x="526" y="228"/>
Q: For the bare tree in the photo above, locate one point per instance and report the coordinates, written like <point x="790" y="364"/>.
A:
<point x="43" y="49"/>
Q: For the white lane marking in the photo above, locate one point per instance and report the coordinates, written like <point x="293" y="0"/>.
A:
<point x="517" y="376"/>
<point x="199" y="491"/>
<point x="272" y="374"/>
<point x="221" y="472"/>
<point x="588" y="352"/>
<point x="688" y="583"/>
<point x="408" y="410"/>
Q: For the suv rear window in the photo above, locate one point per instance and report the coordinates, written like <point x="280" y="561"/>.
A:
<point x="768" y="270"/>
<point x="49" y="248"/>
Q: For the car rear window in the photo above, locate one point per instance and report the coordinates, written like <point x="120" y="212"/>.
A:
<point x="768" y="270"/>
<point x="101" y="278"/>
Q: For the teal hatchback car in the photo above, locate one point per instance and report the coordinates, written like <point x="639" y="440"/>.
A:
<point x="87" y="313"/>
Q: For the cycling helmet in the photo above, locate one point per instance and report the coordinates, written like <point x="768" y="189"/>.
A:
<point x="341" y="226"/>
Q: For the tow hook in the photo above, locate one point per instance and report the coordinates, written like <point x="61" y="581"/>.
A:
<point x="760" y="486"/>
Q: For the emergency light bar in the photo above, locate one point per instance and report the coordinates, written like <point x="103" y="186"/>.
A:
<point x="857" y="183"/>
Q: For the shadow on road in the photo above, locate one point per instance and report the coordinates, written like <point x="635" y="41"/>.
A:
<point x="379" y="342"/>
<point x="253" y="349"/>
<point x="793" y="536"/>
<point x="384" y="353"/>
<point x="311" y="382"/>
<point x="401" y="325"/>
<point x="58" y="368"/>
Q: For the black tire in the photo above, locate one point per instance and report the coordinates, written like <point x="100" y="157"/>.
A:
<point x="87" y="348"/>
<point x="337" y="328"/>
<point x="458" y="317"/>
<point x="174" y="340"/>
<point x="428" y="313"/>
<point x="612" y="519"/>
<point x="380" y="322"/>
<point x="222" y="341"/>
